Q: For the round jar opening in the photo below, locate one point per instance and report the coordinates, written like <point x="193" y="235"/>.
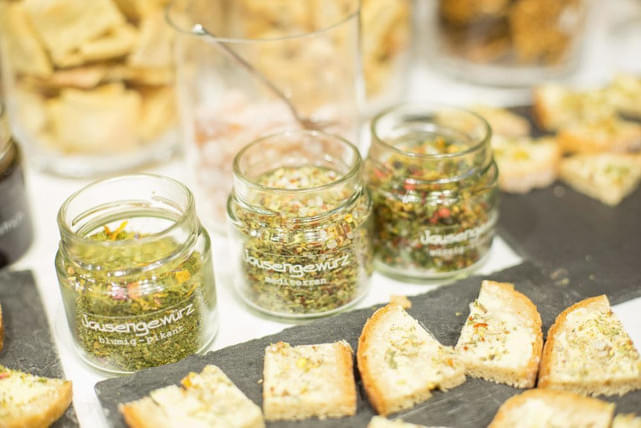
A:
<point x="300" y="19"/>
<point x="148" y="207"/>
<point x="449" y="141"/>
<point x="310" y="170"/>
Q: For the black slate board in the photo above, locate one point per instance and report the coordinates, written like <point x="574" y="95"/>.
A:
<point x="472" y="404"/>
<point x="28" y="344"/>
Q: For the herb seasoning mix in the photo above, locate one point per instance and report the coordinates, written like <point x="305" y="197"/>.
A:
<point x="433" y="183"/>
<point x="136" y="274"/>
<point x="300" y="224"/>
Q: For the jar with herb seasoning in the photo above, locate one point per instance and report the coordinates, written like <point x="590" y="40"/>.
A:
<point x="135" y="272"/>
<point x="300" y="224"/>
<point x="16" y="232"/>
<point x="434" y="186"/>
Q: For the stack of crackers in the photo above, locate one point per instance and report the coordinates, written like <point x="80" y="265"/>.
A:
<point x="89" y="77"/>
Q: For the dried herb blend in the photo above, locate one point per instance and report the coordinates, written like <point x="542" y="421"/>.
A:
<point x="159" y="313"/>
<point x="434" y="211"/>
<point x="302" y="252"/>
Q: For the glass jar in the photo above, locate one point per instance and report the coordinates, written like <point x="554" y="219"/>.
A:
<point x="250" y="68"/>
<point x="508" y="42"/>
<point x="299" y="219"/>
<point x="16" y="231"/>
<point x="135" y="272"/>
<point x="89" y="85"/>
<point x="433" y="182"/>
<point x="387" y="41"/>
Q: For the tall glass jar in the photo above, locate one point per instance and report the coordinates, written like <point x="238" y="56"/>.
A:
<point x="16" y="231"/>
<point x="135" y="272"/>
<point x="89" y="84"/>
<point x="508" y="42"/>
<point x="300" y="224"/>
<point x="433" y="181"/>
<point x="249" y="68"/>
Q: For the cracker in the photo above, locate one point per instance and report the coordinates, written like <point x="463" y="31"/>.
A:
<point x="158" y="112"/>
<point x="154" y="46"/>
<point x="116" y="43"/>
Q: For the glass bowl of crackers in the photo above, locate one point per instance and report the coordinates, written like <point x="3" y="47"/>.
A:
<point x="508" y="42"/>
<point x="90" y="85"/>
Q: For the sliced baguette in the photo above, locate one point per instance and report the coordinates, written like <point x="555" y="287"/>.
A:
<point x="503" y="122"/>
<point x="626" y="421"/>
<point x="556" y="106"/>
<point x="548" y="409"/>
<point x="525" y="164"/>
<point x="301" y="382"/>
<point x="206" y="399"/>
<point x="31" y="401"/>
<point x="400" y="362"/>
<point x="604" y="135"/>
<point x="588" y="351"/>
<point x="608" y="177"/>
<point x="501" y="340"/>
<point x="624" y="93"/>
<point x="381" y="422"/>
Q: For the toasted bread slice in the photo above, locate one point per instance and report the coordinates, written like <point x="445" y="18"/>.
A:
<point x="626" y="421"/>
<point x="548" y="409"/>
<point x="625" y="93"/>
<point x="604" y="135"/>
<point x="588" y="351"/>
<point x="207" y="399"/>
<point x="608" y="177"/>
<point x="400" y="362"/>
<point x="503" y="122"/>
<point x="381" y="422"/>
<point x="31" y="401"/>
<point x="301" y="382"/>
<point x="501" y="340"/>
<point x="525" y="164"/>
<point x="556" y="106"/>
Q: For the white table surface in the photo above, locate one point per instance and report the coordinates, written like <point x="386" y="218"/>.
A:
<point x="237" y="324"/>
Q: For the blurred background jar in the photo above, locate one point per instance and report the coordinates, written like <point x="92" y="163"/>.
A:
<point x="89" y="85"/>
<point x="507" y="42"/>
<point x="248" y="68"/>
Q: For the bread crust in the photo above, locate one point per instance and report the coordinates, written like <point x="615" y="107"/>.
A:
<point x="374" y="394"/>
<point x="501" y="419"/>
<point x="346" y="358"/>
<point x="546" y="358"/>
<point x="53" y="410"/>
<point x="1" y="330"/>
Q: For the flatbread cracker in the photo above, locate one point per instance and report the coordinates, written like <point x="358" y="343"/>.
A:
<point x="21" y="42"/>
<point x="154" y="46"/>
<point x="65" y="25"/>
<point x="158" y="111"/>
<point x="103" y="120"/>
<point x="116" y="43"/>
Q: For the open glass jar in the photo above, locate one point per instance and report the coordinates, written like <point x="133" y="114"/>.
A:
<point x="135" y="272"/>
<point x="249" y="68"/>
<point x="16" y="232"/>
<point x="508" y="42"/>
<point x="89" y="84"/>
<point x="300" y="224"/>
<point x="433" y="182"/>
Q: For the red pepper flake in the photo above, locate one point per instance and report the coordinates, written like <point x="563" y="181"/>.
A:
<point x="465" y="348"/>
<point x="379" y="173"/>
<point x="409" y="186"/>
<point x="450" y="362"/>
<point x="4" y="375"/>
<point x="443" y="212"/>
<point x="480" y="324"/>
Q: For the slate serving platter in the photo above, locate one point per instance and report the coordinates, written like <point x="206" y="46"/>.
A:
<point x="28" y="344"/>
<point x="442" y="311"/>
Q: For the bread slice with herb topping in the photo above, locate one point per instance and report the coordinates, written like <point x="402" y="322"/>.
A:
<point x="525" y="164"/>
<point x="588" y="351"/>
<point x="206" y="399"/>
<point x="381" y="422"/>
<point x="31" y="401"/>
<point x="400" y="362"/>
<point x="544" y="408"/>
<point x="626" y="421"/>
<point x="625" y="93"/>
<point x="301" y="382"/>
<point x="608" y="177"/>
<point x="501" y="339"/>
<point x="609" y="134"/>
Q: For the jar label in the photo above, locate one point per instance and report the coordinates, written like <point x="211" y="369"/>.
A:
<point x="12" y="223"/>
<point x="442" y="244"/>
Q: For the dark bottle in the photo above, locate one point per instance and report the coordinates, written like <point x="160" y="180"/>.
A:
<point x="16" y="232"/>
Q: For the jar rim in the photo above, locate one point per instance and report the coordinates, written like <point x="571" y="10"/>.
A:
<point x="67" y="232"/>
<point x="200" y="30"/>
<point x="355" y="168"/>
<point x="479" y="144"/>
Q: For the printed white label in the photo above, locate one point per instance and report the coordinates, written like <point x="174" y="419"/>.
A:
<point x="11" y="223"/>
<point x="473" y="234"/>
<point x="298" y="270"/>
